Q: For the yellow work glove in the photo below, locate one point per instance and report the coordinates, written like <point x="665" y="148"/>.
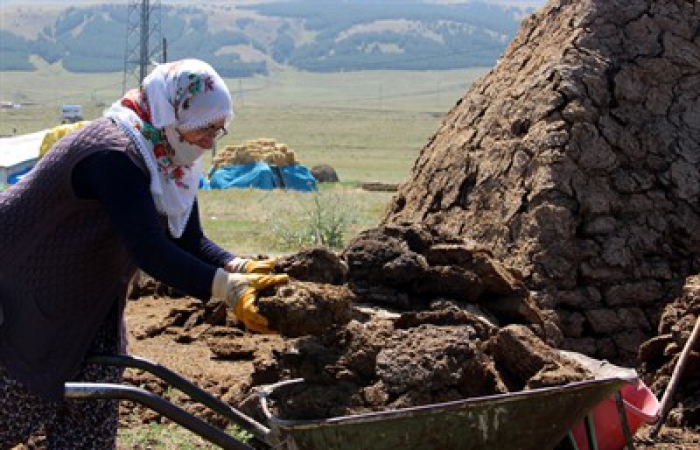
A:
<point x="240" y="291"/>
<point x="245" y="265"/>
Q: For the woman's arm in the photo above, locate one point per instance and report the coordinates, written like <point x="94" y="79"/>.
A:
<point x="194" y="241"/>
<point x="111" y="178"/>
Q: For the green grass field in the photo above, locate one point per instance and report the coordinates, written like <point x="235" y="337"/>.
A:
<point x="369" y="126"/>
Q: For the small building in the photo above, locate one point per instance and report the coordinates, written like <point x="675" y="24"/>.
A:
<point x="18" y="154"/>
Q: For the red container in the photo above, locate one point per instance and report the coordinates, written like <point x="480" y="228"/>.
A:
<point x="641" y="406"/>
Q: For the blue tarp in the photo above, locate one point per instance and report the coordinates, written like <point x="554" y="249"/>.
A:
<point x="298" y="178"/>
<point x="260" y="175"/>
<point x="14" y="179"/>
<point x="204" y="183"/>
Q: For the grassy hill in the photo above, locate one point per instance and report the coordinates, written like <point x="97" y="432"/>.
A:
<point x="255" y="37"/>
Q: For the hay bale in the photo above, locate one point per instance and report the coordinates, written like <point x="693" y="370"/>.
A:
<point x="254" y="150"/>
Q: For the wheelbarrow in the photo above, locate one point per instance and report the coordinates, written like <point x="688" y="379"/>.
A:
<point x="529" y="420"/>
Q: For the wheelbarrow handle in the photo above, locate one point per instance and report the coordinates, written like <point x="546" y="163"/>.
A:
<point x="184" y="385"/>
<point x="265" y="393"/>
<point x="197" y="394"/>
<point x="94" y="391"/>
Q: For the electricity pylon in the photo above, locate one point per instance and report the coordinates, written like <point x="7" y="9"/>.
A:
<point x="144" y="38"/>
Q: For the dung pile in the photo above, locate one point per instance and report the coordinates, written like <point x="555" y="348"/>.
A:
<point x="463" y="326"/>
<point x="452" y="327"/>
<point x="264" y="149"/>
<point x="659" y="356"/>
<point x="576" y="160"/>
<point x="418" y="359"/>
<point x="401" y="268"/>
<point x="409" y="266"/>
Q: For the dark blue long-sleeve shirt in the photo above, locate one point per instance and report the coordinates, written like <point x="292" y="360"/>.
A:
<point x="187" y="263"/>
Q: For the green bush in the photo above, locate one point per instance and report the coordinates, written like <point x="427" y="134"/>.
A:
<point x="317" y="219"/>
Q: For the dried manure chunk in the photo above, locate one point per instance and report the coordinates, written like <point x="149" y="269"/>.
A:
<point x="381" y="295"/>
<point x="404" y="270"/>
<point x="318" y="401"/>
<point x="310" y="359"/>
<point x="520" y="352"/>
<point x="527" y="362"/>
<point x="368" y="254"/>
<point x="479" y="261"/>
<point x="319" y="265"/>
<point x="447" y="315"/>
<point x="301" y="308"/>
<point x="424" y="358"/>
<point x="450" y="282"/>
<point x="228" y="348"/>
<point x="360" y="344"/>
<point x="558" y="374"/>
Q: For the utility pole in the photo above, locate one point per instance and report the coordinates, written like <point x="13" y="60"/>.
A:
<point x="143" y="40"/>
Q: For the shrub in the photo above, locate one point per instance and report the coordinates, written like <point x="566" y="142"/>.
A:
<point x="312" y="219"/>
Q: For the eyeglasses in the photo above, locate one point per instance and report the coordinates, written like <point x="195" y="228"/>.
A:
<point x="212" y="131"/>
<point x="216" y="132"/>
<point x="219" y="132"/>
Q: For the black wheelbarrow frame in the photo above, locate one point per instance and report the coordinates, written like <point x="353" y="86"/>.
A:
<point x="465" y="424"/>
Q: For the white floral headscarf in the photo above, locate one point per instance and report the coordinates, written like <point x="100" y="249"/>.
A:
<point x="186" y="94"/>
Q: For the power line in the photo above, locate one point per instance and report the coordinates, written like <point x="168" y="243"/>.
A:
<point x="143" y="40"/>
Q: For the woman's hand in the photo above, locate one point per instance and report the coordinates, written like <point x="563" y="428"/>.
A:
<point x="245" y="265"/>
<point x="240" y="291"/>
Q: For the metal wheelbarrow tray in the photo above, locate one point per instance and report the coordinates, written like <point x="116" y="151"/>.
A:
<point x="528" y="420"/>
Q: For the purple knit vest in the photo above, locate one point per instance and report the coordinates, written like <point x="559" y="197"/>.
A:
<point x="62" y="265"/>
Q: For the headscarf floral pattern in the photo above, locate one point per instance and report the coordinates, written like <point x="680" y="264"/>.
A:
<point x="182" y="95"/>
<point x="137" y="102"/>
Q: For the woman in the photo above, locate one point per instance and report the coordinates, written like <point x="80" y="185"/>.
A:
<point x="118" y="194"/>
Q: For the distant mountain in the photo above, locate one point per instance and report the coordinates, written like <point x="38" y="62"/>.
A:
<point x="254" y="36"/>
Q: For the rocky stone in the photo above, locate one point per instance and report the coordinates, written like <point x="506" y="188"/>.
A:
<point x="324" y="174"/>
